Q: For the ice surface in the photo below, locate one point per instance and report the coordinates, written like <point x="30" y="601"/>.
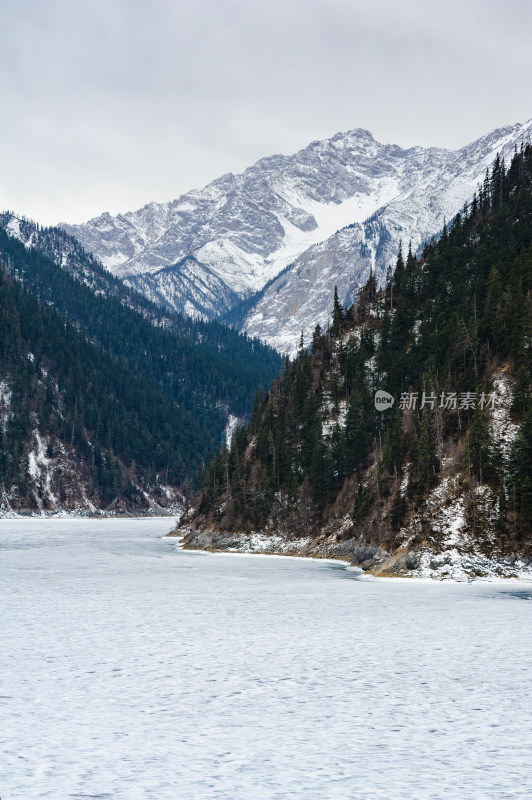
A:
<point x="137" y="671"/>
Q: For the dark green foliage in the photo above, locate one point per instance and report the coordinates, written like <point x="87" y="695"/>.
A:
<point x="481" y="459"/>
<point x="125" y="385"/>
<point x="392" y="447"/>
<point x="440" y="324"/>
<point x="81" y="398"/>
<point x="521" y="476"/>
<point x="363" y="501"/>
<point x="225" y="370"/>
<point x="338" y="314"/>
<point x="425" y="464"/>
<point x="286" y="453"/>
<point x="398" y="510"/>
<point x="358" y="430"/>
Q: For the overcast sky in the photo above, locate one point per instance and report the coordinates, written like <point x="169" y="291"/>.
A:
<point x="109" y="104"/>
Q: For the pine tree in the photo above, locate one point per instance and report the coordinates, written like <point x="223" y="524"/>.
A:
<point x="480" y="455"/>
<point x="338" y="314"/>
<point x="357" y="435"/>
<point x="317" y="473"/>
<point x="521" y="474"/>
<point x="362" y="504"/>
<point x="491" y="323"/>
<point x="399" y="272"/>
<point x="316" y="339"/>
<point x="424" y="457"/>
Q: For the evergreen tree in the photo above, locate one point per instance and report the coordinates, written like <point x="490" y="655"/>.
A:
<point x="338" y="314"/>
<point x="521" y="475"/>
<point x="491" y="325"/>
<point x="447" y="318"/>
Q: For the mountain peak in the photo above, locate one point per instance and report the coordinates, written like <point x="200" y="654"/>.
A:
<point x="353" y="133"/>
<point x="274" y="228"/>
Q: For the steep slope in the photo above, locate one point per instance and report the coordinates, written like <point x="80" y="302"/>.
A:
<point x="105" y="398"/>
<point x="210" y="370"/>
<point x="437" y="478"/>
<point x="79" y="431"/>
<point x="432" y="186"/>
<point x="67" y="254"/>
<point x="211" y="248"/>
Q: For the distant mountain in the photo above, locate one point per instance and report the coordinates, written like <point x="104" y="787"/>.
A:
<point x="90" y="363"/>
<point x="79" y="431"/>
<point x="402" y="440"/>
<point x="322" y="217"/>
<point x="211" y="368"/>
<point x="67" y="254"/>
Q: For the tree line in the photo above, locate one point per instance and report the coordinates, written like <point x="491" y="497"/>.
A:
<point x="448" y="320"/>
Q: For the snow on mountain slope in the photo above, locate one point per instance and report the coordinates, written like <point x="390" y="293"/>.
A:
<point x="243" y="230"/>
<point x="210" y="248"/>
<point x="65" y="251"/>
<point x="432" y="186"/>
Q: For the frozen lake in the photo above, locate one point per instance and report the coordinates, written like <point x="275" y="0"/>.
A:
<point x="133" y="670"/>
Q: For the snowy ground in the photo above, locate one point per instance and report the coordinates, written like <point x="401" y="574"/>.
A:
<point x="138" y="671"/>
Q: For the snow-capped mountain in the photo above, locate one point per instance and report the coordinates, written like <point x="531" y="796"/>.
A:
<point x="67" y="253"/>
<point x="290" y="228"/>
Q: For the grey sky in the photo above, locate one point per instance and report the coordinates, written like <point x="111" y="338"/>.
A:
<point x="107" y="105"/>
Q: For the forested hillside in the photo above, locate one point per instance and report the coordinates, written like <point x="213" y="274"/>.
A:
<point x="123" y="394"/>
<point x="220" y="375"/>
<point x="78" y="427"/>
<point x="448" y="467"/>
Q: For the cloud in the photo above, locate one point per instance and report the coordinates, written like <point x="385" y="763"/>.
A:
<point x="109" y="105"/>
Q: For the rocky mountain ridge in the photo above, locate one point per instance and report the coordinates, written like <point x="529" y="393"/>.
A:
<point x="322" y="217"/>
<point x="438" y="480"/>
<point x="107" y="402"/>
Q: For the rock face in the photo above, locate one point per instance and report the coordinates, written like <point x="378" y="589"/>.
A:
<point x="412" y="561"/>
<point x="290" y="228"/>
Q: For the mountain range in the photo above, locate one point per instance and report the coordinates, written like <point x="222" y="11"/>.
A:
<point x="268" y="246"/>
<point x="107" y="401"/>
<point x="401" y="439"/>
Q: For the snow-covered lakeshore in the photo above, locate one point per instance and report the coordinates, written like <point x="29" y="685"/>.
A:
<point x="134" y="669"/>
<point x="464" y="563"/>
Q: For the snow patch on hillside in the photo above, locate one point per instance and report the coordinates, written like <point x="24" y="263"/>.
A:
<point x="503" y="429"/>
<point x="6" y="413"/>
<point x="230" y="428"/>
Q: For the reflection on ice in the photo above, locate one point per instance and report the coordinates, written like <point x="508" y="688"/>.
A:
<point x="513" y="594"/>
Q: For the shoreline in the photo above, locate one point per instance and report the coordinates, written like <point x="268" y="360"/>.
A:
<point x="433" y="566"/>
<point x="496" y="579"/>
<point x="89" y="515"/>
<point x="451" y="565"/>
